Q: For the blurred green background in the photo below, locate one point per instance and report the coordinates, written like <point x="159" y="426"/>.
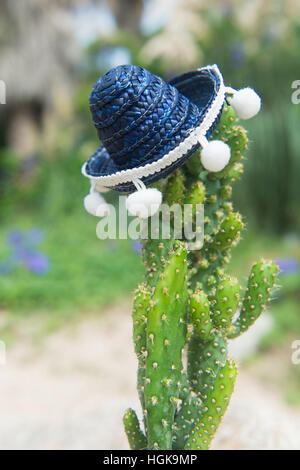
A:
<point x="51" y="53"/>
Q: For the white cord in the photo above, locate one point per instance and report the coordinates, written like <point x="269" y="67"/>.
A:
<point x="229" y="90"/>
<point x="93" y="187"/>
<point x="139" y="184"/>
<point x="202" y="140"/>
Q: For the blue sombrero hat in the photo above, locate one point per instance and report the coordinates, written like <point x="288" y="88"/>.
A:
<point x="149" y="127"/>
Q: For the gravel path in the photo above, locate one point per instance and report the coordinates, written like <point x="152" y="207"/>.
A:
<point x="70" y="392"/>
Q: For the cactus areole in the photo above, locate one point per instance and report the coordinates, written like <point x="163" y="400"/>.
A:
<point x="179" y="142"/>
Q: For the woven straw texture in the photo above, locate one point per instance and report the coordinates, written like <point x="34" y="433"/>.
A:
<point x="139" y="118"/>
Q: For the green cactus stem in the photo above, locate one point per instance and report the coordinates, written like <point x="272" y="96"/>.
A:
<point x="175" y="189"/>
<point x="156" y="253"/>
<point x="196" y="195"/>
<point x="166" y="335"/>
<point x="140" y="311"/>
<point x="188" y="411"/>
<point x="205" y="360"/>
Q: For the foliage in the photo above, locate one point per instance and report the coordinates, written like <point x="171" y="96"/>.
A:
<point x="269" y="193"/>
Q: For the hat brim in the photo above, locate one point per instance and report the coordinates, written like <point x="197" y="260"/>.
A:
<point x="204" y="88"/>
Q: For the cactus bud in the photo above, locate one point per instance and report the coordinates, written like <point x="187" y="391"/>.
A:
<point x="200" y="314"/>
<point x="135" y="436"/>
<point x="229" y="231"/>
<point x="226" y="302"/>
<point x="261" y="280"/>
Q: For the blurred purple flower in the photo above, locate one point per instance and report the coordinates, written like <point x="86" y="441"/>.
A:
<point x="288" y="265"/>
<point x="137" y="247"/>
<point x="37" y="263"/>
<point x="22" y="244"/>
<point x="15" y="237"/>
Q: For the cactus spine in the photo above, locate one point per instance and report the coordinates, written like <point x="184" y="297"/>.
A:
<point x="189" y="307"/>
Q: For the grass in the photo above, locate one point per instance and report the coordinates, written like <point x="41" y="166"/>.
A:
<point x="87" y="273"/>
<point x="84" y="273"/>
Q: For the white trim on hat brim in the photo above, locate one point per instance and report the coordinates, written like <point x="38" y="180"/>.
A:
<point x="126" y="176"/>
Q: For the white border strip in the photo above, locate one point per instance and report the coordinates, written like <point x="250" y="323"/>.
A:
<point x="126" y="176"/>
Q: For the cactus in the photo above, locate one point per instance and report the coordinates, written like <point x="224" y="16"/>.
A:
<point x="189" y="308"/>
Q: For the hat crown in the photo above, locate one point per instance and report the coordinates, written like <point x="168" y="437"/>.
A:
<point x="133" y="110"/>
<point x="111" y="92"/>
<point x="109" y="78"/>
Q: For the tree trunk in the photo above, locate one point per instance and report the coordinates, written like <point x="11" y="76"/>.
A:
<point x="22" y="131"/>
<point x="127" y="13"/>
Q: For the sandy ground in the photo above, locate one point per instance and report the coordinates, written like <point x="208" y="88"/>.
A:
<point x="70" y="391"/>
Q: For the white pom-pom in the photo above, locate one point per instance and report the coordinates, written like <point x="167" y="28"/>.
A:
<point x="144" y="202"/>
<point x="246" y="103"/>
<point x="215" y="155"/>
<point x="103" y="210"/>
<point x="96" y="205"/>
